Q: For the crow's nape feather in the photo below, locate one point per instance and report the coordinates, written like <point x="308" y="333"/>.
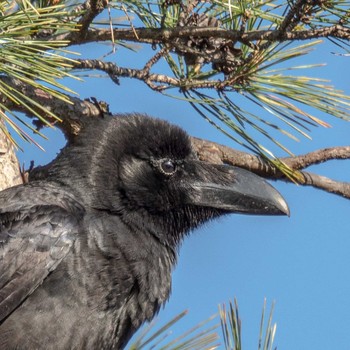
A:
<point x="88" y="246"/>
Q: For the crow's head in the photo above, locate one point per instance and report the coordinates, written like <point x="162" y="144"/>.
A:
<point x="137" y="166"/>
<point x="142" y="188"/>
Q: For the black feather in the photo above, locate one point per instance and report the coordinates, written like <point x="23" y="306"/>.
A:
<point x="88" y="246"/>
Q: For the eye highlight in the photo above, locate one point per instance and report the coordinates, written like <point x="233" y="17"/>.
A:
<point x="167" y="167"/>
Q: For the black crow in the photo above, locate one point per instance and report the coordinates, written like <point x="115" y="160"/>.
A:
<point x="87" y="249"/>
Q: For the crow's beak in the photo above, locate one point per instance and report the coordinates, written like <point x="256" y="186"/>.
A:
<point x="241" y="191"/>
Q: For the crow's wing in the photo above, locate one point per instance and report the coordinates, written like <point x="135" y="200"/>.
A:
<point x="38" y="225"/>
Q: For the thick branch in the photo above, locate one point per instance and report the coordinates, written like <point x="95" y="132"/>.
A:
<point x="72" y="114"/>
<point x="215" y="153"/>
<point x="9" y="167"/>
<point x="166" y="35"/>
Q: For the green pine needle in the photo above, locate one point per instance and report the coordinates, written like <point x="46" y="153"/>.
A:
<point x="37" y="63"/>
<point x="205" y="337"/>
<point x="200" y="337"/>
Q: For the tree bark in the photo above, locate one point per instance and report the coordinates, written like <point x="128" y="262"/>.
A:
<point x="10" y="172"/>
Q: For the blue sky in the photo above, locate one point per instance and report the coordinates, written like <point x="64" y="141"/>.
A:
<point x="301" y="262"/>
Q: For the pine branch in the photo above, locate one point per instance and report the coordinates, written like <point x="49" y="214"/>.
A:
<point x="215" y="153"/>
<point x="167" y="35"/>
<point x="249" y="73"/>
<point x="92" y="9"/>
<point x="300" y="12"/>
<point x="76" y="112"/>
<point x="151" y="79"/>
<point x="317" y="157"/>
<point x="9" y="166"/>
<point x="246" y="68"/>
<point x="326" y="184"/>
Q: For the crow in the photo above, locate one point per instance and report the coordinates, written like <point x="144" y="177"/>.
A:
<point x="88" y="246"/>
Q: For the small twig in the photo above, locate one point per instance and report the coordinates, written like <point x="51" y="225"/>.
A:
<point x="292" y="17"/>
<point x="317" y="157"/>
<point x="143" y="74"/>
<point x="147" y="67"/>
<point x="94" y="8"/>
<point x="326" y="184"/>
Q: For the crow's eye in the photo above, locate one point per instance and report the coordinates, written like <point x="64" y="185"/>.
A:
<point x="168" y="167"/>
